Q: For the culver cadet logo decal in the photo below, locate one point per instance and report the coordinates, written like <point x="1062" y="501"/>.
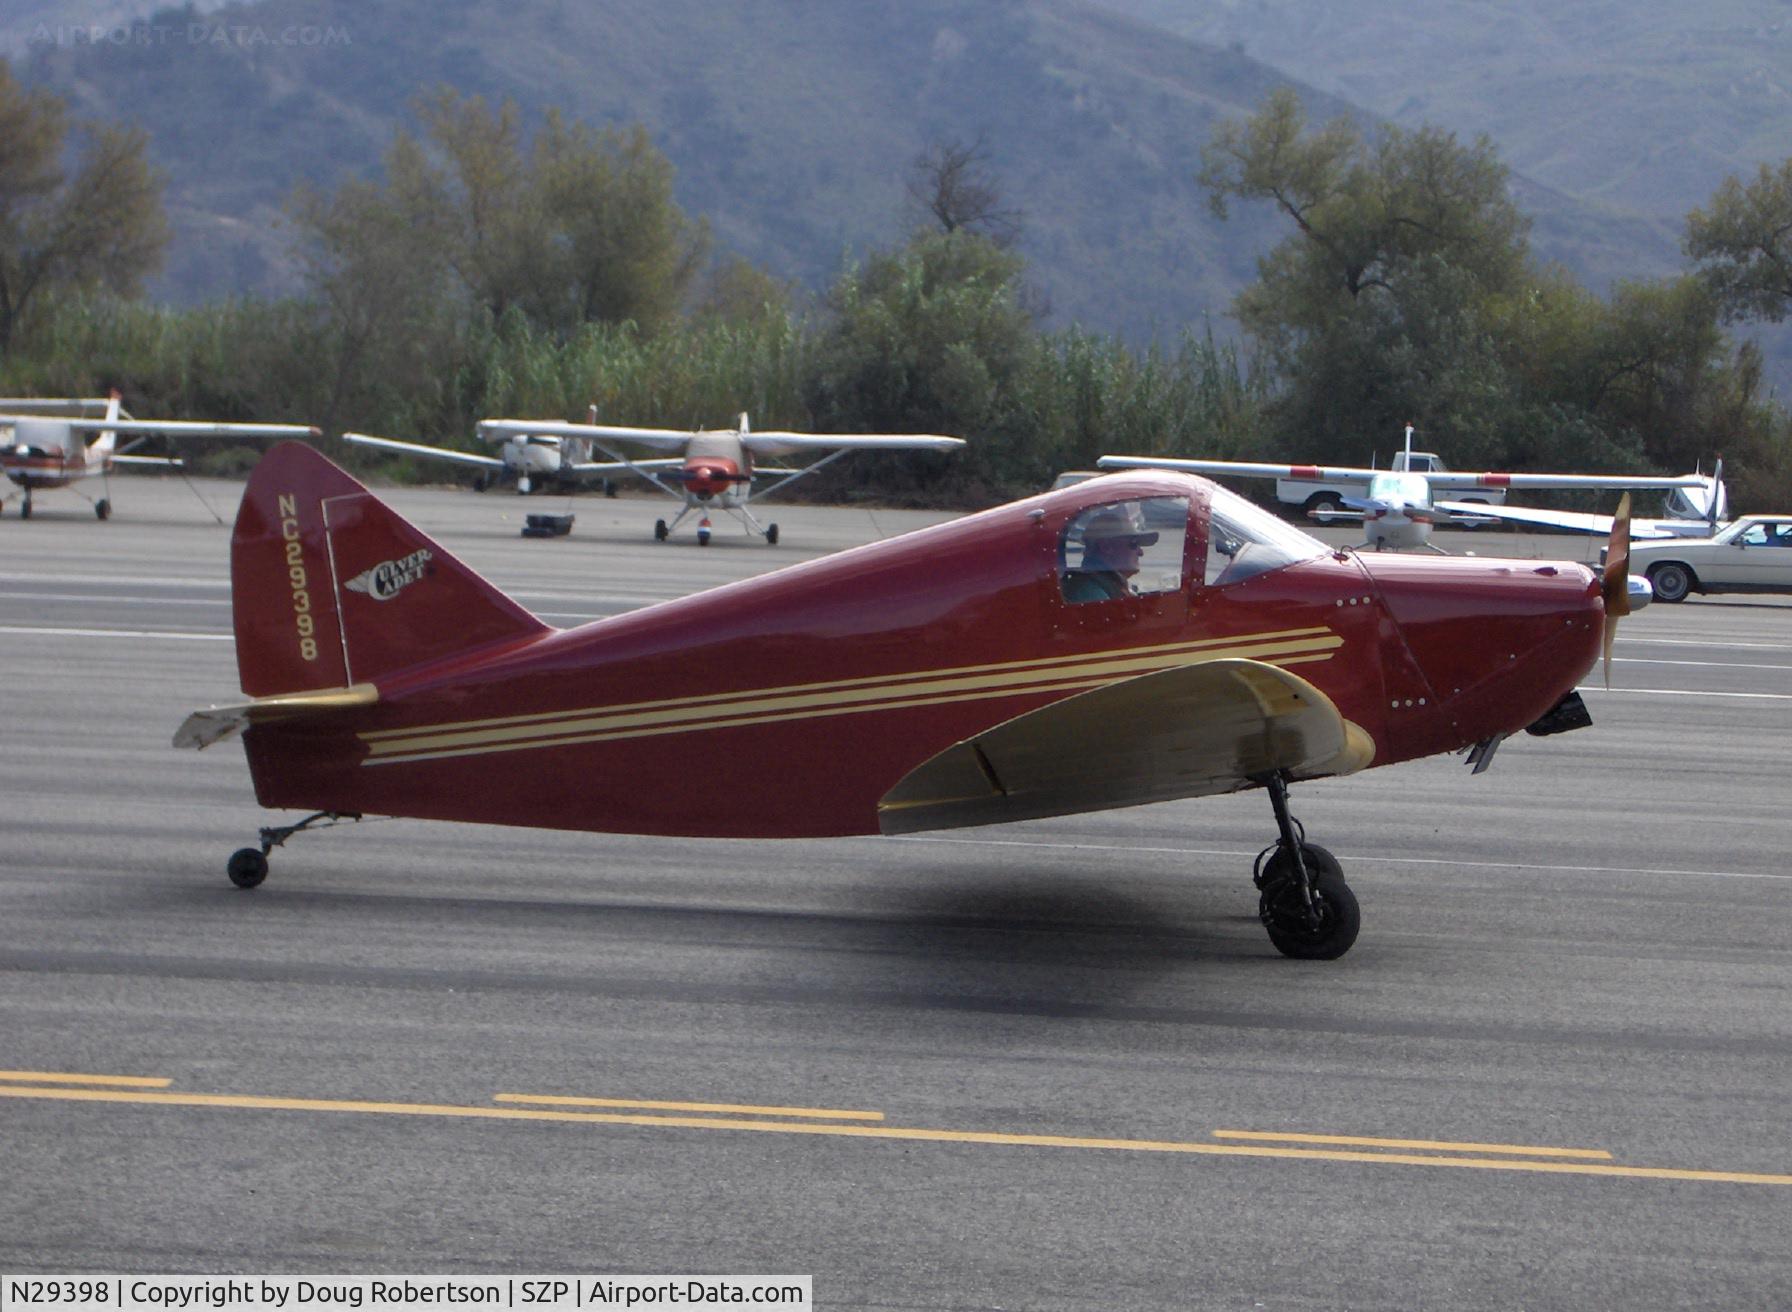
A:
<point x="391" y="577"/>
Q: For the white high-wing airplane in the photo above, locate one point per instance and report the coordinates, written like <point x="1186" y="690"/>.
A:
<point x="1695" y="509"/>
<point x="532" y="459"/>
<point x="51" y="443"/>
<point x="1397" y="508"/>
<point x="714" y="468"/>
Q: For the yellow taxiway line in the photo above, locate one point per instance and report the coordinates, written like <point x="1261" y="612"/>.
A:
<point x="558" y="1100"/>
<point x="67" y="1077"/>
<point x="1535" y="1164"/>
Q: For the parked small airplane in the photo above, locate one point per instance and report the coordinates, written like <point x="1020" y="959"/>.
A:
<point x="1396" y="507"/>
<point x="951" y="676"/>
<point x="533" y="460"/>
<point x="715" y="468"/>
<point x="1697" y="509"/>
<point x="52" y="443"/>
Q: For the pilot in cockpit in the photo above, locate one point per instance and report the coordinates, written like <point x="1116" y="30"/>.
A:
<point x="1114" y="542"/>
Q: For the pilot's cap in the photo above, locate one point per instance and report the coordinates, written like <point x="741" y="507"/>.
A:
<point x="1117" y="522"/>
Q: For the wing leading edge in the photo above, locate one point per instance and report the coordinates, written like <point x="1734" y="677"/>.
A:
<point x="1194" y="731"/>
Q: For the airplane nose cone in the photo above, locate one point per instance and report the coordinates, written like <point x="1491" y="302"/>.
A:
<point x="1499" y="642"/>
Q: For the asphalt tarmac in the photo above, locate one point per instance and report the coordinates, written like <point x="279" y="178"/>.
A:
<point x="1048" y="1066"/>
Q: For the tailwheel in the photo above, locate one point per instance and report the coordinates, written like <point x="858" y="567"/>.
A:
<point x="247" y="867"/>
<point x="1319" y="927"/>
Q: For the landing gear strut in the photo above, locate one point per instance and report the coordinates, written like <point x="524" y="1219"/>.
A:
<point x="1306" y="906"/>
<point x="248" y="866"/>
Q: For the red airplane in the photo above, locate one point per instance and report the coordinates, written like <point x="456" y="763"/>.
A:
<point x="1131" y="639"/>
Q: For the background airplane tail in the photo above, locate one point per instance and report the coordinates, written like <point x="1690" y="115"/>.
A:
<point x="331" y="587"/>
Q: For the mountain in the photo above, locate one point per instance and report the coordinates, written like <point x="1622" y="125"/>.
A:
<point x="1644" y="106"/>
<point x="792" y="124"/>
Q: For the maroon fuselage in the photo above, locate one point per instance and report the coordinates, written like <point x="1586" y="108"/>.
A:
<point x="788" y="705"/>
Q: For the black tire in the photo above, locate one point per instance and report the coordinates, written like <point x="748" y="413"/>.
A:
<point x="660" y="530"/>
<point x="771" y="536"/>
<point x="103" y="508"/>
<point x="1322" y="506"/>
<point x="1284" y="912"/>
<point x="1672" y="581"/>
<point x="247" y="867"/>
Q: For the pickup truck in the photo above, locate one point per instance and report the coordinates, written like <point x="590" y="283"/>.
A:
<point x="1322" y="497"/>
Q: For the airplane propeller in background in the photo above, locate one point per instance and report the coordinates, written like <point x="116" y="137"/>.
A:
<point x="1615" y="581"/>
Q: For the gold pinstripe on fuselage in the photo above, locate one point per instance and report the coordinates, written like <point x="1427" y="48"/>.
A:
<point x="830" y="698"/>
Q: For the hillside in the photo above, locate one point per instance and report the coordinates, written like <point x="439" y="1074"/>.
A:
<point x="1644" y="106"/>
<point x="791" y="124"/>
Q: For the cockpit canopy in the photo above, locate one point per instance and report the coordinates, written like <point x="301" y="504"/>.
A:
<point x="1138" y="546"/>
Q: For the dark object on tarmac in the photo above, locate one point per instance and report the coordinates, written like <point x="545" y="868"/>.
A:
<point x="548" y="526"/>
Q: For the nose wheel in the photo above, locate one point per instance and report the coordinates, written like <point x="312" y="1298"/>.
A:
<point x="1306" y="907"/>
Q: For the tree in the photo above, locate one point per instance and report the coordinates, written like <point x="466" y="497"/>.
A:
<point x="1375" y="311"/>
<point x="1743" y="244"/>
<point x="952" y="184"/>
<point x="574" y="227"/>
<point x="929" y="338"/>
<point x="100" y="226"/>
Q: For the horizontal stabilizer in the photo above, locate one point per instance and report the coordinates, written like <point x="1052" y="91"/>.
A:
<point x="214" y="724"/>
<point x="1193" y="731"/>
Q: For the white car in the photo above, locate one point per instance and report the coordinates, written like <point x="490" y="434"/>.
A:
<point x="1753" y="554"/>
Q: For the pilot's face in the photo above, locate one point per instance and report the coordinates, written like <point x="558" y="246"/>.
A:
<point x="1122" y="555"/>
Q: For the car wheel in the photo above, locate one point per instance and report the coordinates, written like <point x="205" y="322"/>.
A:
<point x="1322" y="506"/>
<point x="1671" y="581"/>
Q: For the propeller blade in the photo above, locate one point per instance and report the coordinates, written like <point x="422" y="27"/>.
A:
<point x="1615" y="584"/>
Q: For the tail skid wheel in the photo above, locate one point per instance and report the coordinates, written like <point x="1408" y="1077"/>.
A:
<point x="247" y="867"/>
<point x="1323" y="931"/>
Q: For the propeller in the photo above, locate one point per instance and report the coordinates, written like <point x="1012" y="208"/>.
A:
<point x="1615" y="584"/>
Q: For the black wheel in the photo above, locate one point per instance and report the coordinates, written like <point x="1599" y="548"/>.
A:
<point x="480" y="483"/>
<point x="248" y="867"/>
<point x="103" y="508"/>
<point x="660" y="530"/>
<point x="1322" y="506"/>
<point x="25" y="508"/>
<point x="771" y="536"/>
<point x="1284" y="911"/>
<point x="1671" y="581"/>
<point x="703" y="537"/>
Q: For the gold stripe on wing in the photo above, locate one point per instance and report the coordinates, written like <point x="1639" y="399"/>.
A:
<point x="432" y="748"/>
<point x="868" y="682"/>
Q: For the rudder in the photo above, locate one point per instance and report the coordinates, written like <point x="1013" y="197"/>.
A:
<point x="330" y="587"/>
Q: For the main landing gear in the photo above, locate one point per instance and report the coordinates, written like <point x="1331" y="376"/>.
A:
<point x="1306" y="906"/>
<point x="248" y="866"/>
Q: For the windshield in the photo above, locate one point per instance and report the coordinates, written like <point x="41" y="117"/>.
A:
<point x="1243" y="540"/>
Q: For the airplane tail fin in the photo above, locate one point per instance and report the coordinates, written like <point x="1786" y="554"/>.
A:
<point x="330" y="587"/>
<point x="105" y="442"/>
